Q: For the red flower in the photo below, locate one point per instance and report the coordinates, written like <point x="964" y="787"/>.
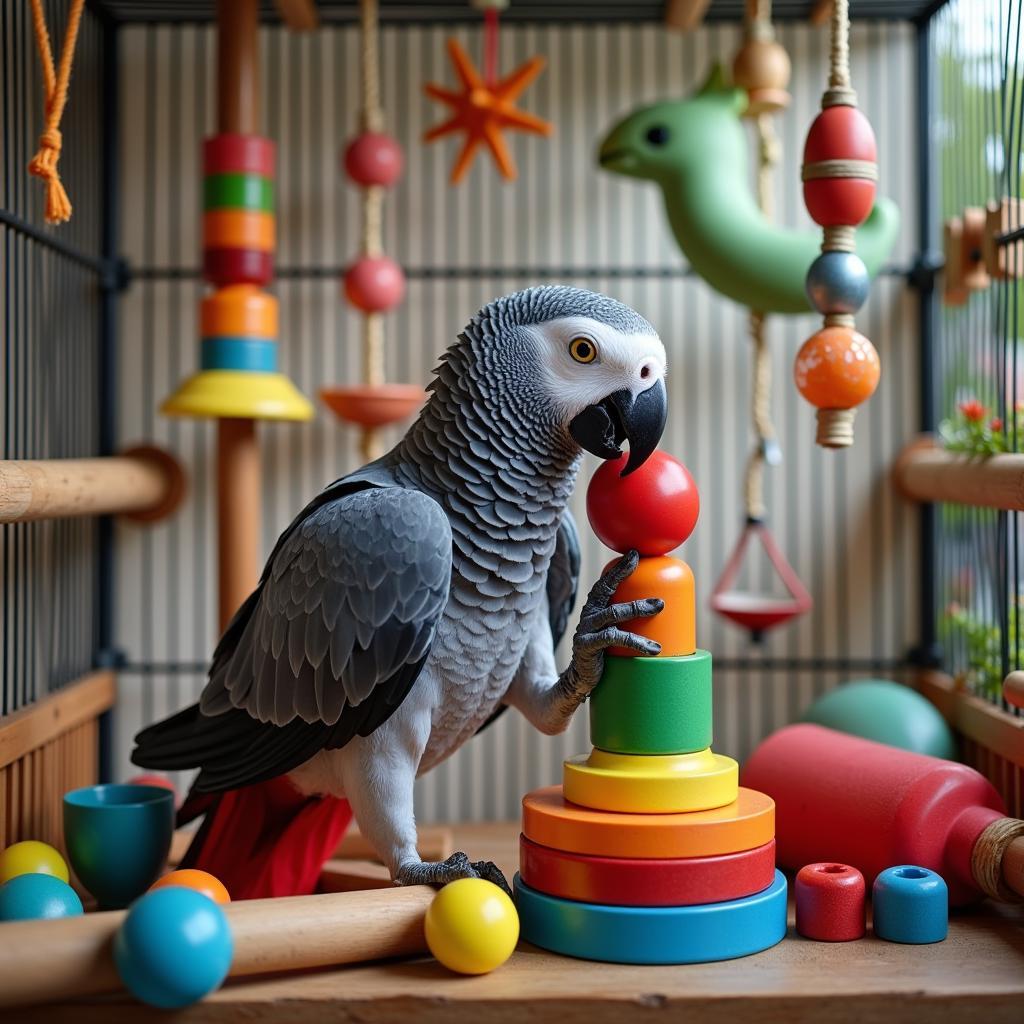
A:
<point x="973" y="410"/>
<point x="996" y="425"/>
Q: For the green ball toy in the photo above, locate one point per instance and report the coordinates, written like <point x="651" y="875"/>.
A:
<point x="876" y="709"/>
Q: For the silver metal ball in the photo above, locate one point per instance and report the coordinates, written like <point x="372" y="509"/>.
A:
<point x="837" y="282"/>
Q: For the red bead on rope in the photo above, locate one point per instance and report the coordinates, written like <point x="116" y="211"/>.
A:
<point x="840" y="141"/>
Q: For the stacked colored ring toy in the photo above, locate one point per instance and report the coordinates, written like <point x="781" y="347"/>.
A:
<point x="238" y="209"/>
<point x="238" y="322"/>
<point x="649" y="851"/>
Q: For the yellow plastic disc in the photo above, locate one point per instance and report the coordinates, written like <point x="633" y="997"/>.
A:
<point x="471" y="926"/>
<point x="240" y="394"/>
<point x="31" y="857"/>
<point x="651" y="784"/>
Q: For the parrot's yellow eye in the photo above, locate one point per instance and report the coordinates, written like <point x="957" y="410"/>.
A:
<point x="583" y="350"/>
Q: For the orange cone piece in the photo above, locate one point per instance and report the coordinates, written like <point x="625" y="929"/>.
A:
<point x="675" y="627"/>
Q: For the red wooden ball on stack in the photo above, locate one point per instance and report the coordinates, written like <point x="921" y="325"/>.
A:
<point x="374" y="158"/>
<point x="374" y="284"/>
<point x="839" y="133"/>
<point x="653" y="510"/>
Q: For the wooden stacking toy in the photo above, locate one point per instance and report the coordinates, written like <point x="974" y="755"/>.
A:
<point x="238" y="376"/>
<point x="650" y="852"/>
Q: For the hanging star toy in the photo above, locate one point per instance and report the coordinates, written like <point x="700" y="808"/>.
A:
<point x="483" y="110"/>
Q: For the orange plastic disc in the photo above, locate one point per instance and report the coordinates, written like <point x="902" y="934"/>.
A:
<point x="238" y="229"/>
<point x="550" y="820"/>
<point x="675" y="626"/>
<point x="238" y="311"/>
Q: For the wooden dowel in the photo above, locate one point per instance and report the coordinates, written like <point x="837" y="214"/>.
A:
<point x="239" y="494"/>
<point x="238" y="71"/>
<point x="47" y="961"/>
<point x="145" y="483"/>
<point x="924" y="472"/>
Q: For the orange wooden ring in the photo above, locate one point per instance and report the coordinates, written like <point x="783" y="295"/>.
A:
<point x="675" y="626"/>
<point x="238" y="311"/>
<point x="550" y="820"/>
<point x="238" y="229"/>
<point x="638" y="882"/>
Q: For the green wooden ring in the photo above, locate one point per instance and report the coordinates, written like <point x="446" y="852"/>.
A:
<point x="237" y="191"/>
<point x="653" y="705"/>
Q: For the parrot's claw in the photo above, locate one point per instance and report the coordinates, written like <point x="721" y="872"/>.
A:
<point x="457" y="866"/>
<point x="599" y="620"/>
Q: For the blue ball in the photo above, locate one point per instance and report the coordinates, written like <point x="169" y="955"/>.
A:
<point x="173" y="948"/>
<point x="32" y="897"/>
<point x="910" y="904"/>
<point x="837" y="282"/>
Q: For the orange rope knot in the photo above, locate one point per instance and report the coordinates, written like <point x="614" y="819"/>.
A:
<point x="55" y="82"/>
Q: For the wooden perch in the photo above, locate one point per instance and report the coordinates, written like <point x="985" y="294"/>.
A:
<point x="925" y="472"/>
<point x="46" y="961"/>
<point x="144" y="483"/>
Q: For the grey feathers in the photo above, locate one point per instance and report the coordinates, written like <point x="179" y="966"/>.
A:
<point x="353" y="594"/>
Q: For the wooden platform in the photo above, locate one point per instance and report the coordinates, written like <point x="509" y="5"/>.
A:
<point x="978" y="972"/>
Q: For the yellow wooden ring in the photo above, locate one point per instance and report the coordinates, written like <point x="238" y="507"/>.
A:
<point x="238" y="311"/>
<point x="238" y="229"/>
<point x="651" y="784"/>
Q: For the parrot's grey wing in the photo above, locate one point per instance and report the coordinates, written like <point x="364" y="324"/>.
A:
<point x="333" y="641"/>
<point x="563" y="577"/>
<point x="562" y="585"/>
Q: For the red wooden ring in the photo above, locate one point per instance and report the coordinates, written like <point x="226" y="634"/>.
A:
<point x="632" y="882"/>
<point x="230" y="152"/>
<point x="237" y="266"/>
<point x="829" y="902"/>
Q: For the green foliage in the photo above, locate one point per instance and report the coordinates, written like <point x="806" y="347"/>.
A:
<point x="983" y="642"/>
<point x="972" y="431"/>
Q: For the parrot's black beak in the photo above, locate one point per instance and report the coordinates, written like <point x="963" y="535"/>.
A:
<point x="602" y="429"/>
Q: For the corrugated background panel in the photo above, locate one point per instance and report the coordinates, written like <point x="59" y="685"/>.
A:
<point x="845" y="531"/>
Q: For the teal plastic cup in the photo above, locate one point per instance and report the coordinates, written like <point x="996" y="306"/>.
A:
<point x="118" y="838"/>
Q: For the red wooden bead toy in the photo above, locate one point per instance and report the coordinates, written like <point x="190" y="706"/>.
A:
<point x="843" y="134"/>
<point x="830" y="902"/>
<point x="374" y="158"/>
<point x="374" y="284"/>
<point x="653" y="510"/>
<point x="637" y="882"/>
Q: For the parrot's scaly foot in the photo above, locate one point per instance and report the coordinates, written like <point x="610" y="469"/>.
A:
<point x="598" y="630"/>
<point x="457" y="866"/>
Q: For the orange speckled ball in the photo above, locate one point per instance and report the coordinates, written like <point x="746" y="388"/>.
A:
<point x="193" y="878"/>
<point x="837" y="368"/>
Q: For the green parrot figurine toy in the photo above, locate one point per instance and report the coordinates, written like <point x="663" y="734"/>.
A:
<point x="695" y="150"/>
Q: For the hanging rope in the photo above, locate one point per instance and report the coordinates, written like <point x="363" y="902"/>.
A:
<point x="840" y="91"/>
<point x="372" y="117"/>
<point x="57" y="209"/>
<point x="766" y="448"/>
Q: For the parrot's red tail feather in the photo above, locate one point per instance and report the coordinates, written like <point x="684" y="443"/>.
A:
<point x="266" y="839"/>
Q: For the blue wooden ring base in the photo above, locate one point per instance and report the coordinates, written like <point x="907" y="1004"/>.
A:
<point x="654" y="935"/>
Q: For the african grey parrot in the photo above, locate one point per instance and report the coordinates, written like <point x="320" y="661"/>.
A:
<point x="413" y="600"/>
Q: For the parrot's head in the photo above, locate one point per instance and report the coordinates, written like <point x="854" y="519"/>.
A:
<point x="583" y="368"/>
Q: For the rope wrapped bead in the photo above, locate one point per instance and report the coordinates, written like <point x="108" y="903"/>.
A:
<point x="838" y="368"/>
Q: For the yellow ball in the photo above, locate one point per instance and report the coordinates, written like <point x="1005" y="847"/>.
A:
<point x="472" y="926"/>
<point x="31" y="858"/>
